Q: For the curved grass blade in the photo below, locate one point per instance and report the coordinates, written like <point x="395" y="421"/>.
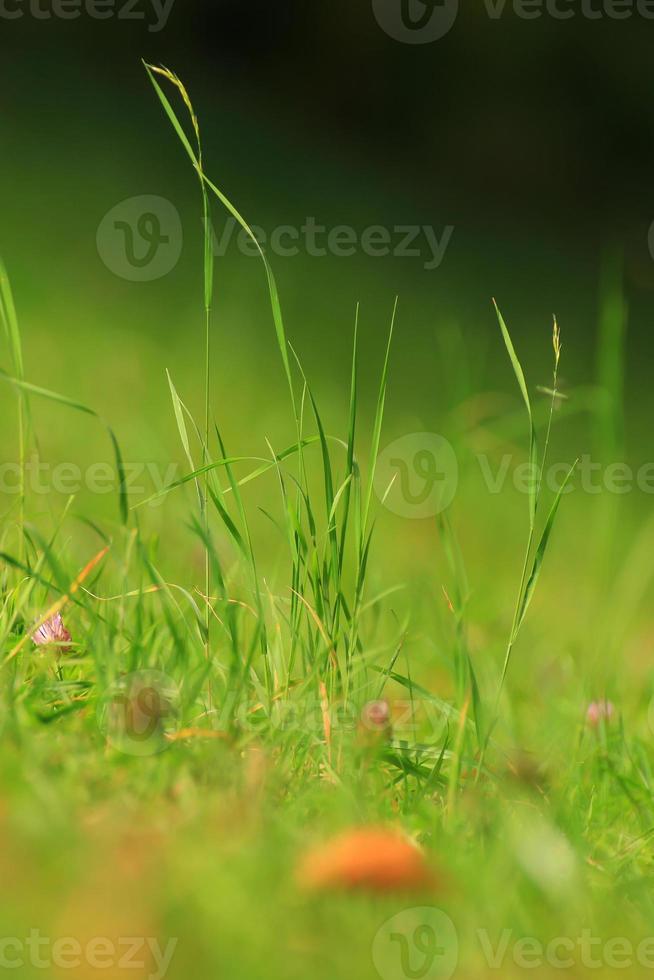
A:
<point x="542" y="547"/>
<point x="379" y="418"/>
<point x="10" y="321"/>
<point x="197" y="163"/>
<point x="59" y="604"/>
<point x="85" y="410"/>
<point x="522" y="384"/>
<point x="267" y="465"/>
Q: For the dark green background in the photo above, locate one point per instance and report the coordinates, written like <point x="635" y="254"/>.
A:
<point x="533" y="138"/>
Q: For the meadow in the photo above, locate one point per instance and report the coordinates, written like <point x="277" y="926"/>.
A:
<point x="290" y="685"/>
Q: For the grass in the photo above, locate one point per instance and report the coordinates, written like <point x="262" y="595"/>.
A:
<point x="163" y="777"/>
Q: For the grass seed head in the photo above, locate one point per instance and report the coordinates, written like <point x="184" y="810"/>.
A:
<point x="556" y="341"/>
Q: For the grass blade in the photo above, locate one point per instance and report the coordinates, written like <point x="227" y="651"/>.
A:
<point x="542" y="547"/>
<point x="520" y="377"/>
<point x="85" y="410"/>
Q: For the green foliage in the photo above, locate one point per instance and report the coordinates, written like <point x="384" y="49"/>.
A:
<point x="275" y="660"/>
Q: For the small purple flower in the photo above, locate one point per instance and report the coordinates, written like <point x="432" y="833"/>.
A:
<point x="53" y="631"/>
<point x="376" y="715"/>
<point x="598" y="712"/>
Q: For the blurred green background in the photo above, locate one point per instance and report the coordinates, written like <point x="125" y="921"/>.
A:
<point x="532" y="138"/>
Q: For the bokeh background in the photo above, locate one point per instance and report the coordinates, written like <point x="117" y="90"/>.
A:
<point x="532" y="138"/>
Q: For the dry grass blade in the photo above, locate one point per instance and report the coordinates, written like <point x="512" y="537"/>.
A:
<point x="60" y="603"/>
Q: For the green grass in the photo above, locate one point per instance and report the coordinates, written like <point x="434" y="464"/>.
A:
<point x="290" y="613"/>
